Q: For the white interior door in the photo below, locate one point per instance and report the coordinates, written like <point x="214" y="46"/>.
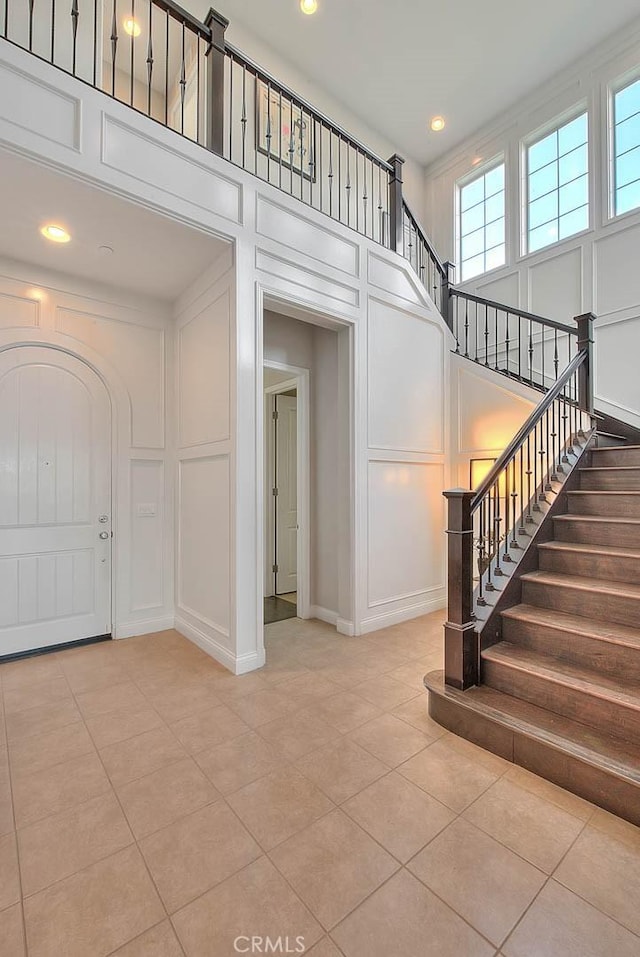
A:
<point x="55" y="500"/>
<point x="287" y="497"/>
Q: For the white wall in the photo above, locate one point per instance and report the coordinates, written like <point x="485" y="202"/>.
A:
<point x="594" y="271"/>
<point x="128" y="341"/>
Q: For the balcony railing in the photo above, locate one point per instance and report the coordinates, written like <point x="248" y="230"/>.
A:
<point x="163" y="62"/>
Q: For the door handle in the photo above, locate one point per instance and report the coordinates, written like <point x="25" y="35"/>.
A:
<point x="104" y="536"/>
<point x="103" y="519"/>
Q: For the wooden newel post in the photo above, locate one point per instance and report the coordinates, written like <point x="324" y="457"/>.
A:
<point x="446" y="306"/>
<point x="215" y="81"/>
<point x="396" y="214"/>
<point x="585" y="372"/>
<point x="461" y="643"/>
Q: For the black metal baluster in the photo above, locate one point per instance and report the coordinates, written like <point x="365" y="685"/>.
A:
<point x="348" y="186"/>
<point x="166" y="68"/>
<point x="495" y="351"/>
<point x="475" y="313"/>
<point x="481" y="600"/>
<point x="291" y="148"/>
<point x="114" y="46"/>
<point x="53" y="24"/>
<point x="553" y="475"/>
<point x="150" y="58"/>
<point x="457" y="323"/>
<point x="131" y="51"/>
<point x="486" y="335"/>
<point x="380" y="210"/>
<point x="548" y="486"/>
<point x="544" y="385"/>
<point x="530" y="353"/>
<point x="529" y="474"/>
<point x="330" y="173"/>
<point x="31" y="3"/>
<point x="497" y="571"/>
<point x="269" y="132"/>
<point x="231" y="73"/>
<point x="522" y="530"/>
<point x="514" y="500"/>
<point x="365" y="196"/>
<point x="555" y="354"/>
<point x="312" y="157"/>
<point x="280" y="140"/>
<point x="95" y="44"/>
<point x="243" y="118"/>
<point x="507" y="345"/>
<point x="536" y="459"/>
<point x="506" y="558"/>
<point x="320" y="167"/>
<point x="75" y="13"/>
<point x="301" y="153"/>
<point x="339" y="178"/>
<point x="519" y="347"/>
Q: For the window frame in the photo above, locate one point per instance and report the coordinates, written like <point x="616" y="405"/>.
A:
<point x="482" y="169"/>
<point x="582" y="108"/>
<point x="614" y="87"/>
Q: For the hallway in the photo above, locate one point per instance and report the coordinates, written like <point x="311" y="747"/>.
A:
<point x="164" y="807"/>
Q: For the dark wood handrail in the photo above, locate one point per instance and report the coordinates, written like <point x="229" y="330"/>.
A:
<point x="425" y="239"/>
<point x="183" y="16"/>
<point x="305" y="105"/>
<point x="514" y="311"/>
<point x="545" y="403"/>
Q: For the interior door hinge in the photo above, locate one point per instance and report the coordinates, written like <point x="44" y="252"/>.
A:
<point x="274" y="414"/>
<point x="275" y="569"/>
<point x="275" y="491"/>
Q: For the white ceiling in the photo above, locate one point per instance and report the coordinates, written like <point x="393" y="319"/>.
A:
<point x="398" y="64"/>
<point x="152" y="255"/>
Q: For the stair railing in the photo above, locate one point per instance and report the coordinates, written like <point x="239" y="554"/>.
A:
<point x="488" y="527"/>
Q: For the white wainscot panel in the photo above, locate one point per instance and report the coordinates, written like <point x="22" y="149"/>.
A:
<point x="616" y="267"/>
<point x="297" y="232"/>
<point x="204" y="375"/>
<point x="488" y="416"/>
<point x="137" y="352"/>
<point x="147" y="534"/>
<point x="405" y="381"/>
<point x="310" y="285"/>
<point x="152" y="162"/>
<point x="616" y="354"/>
<point x="38" y="108"/>
<point x="556" y="286"/>
<point x="18" y="312"/>
<point x="506" y="289"/>
<point x="392" y="278"/>
<point x="406" y="529"/>
<point x="203" y="540"/>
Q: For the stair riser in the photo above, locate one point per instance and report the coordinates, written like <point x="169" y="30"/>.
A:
<point x="604" y="481"/>
<point x="603" y="656"/>
<point x="605" y="567"/>
<point x="613" y="456"/>
<point x="607" y="715"/>
<point x="612" y="506"/>
<point x="622" y="610"/>
<point x="602" y="533"/>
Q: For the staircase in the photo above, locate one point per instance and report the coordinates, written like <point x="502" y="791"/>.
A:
<point x="560" y="692"/>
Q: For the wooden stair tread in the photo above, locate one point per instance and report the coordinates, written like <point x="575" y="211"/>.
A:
<point x="610" y="551"/>
<point x="616" y="757"/>
<point x="609" y="468"/>
<point x="603" y="491"/>
<point x="597" y="519"/>
<point x="564" y="673"/>
<point x="621" y="448"/>
<point x="575" y="624"/>
<point x="555" y="579"/>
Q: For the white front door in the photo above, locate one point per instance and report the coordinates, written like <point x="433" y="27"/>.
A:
<point x="55" y="500"/>
<point x="287" y="497"/>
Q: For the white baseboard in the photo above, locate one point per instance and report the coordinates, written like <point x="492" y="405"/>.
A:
<point x="323" y="614"/>
<point x="236" y="665"/>
<point x="345" y="627"/>
<point x="398" y="615"/>
<point x="130" y="629"/>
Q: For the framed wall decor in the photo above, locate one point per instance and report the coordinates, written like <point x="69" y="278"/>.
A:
<point x="285" y="132"/>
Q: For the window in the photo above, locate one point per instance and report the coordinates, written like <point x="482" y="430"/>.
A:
<point x="626" y="148"/>
<point x="482" y="234"/>
<point x="558" y="184"/>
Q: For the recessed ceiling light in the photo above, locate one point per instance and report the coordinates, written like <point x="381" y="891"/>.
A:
<point x="55" y="233"/>
<point x="309" y="6"/>
<point x="437" y="124"/>
<point x="132" y="27"/>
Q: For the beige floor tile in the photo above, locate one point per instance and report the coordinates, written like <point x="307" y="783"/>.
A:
<point x="94" y="911"/>
<point x="613" y="825"/>
<point x="390" y="739"/>
<point x="115" y="698"/>
<point x="279" y="805"/>
<point x="136" y="757"/>
<point x="292" y="739"/>
<point x="87" y="675"/>
<point x="307" y="687"/>
<point x="160" y="941"/>
<point x="38" y="694"/>
<point x="399" y="815"/>
<point x="230" y="686"/>
<point x="29" y="671"/>
<point x="605" y="871"/>
<point x="454" y="779"/>
<point x="196" y="694"/>
<point x="257" y="901"/>
<point x="479" y="878"/>
<point x="384" y="692"/>
<point x="345" y="711"/>
<point x="490" y="761"/>
<point x="38" y="752"/>
<point x="58" y="846"/>
<point x="333" y="865"/>
<point x="165" y="795"/>
<point x="58" y="788"/>
<point x="9" y="873"/>
<point x="190" y="856"/>
<point x="341" y="769"/>
<point x="550" y="792"/>
<point x="108" y="729"/>
<point x="12" y="932"/>
<point x="537" y="830"/>
<point x="236" y="763"/>
<point x="6" y="801"/>
<point x="412" y="673"/>
<point x="559" y="924"/>
<point x="404" y="918"/>
<point x="416" y="713"/>
<point x="262" y="707"/>
<point x="206" y="729"/>
<point x="41" y="719"/>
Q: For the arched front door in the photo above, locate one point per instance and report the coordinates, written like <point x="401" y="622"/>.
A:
<point x="55" y="500"/>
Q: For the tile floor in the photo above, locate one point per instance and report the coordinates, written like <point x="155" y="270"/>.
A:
<point x="152" y="805"/>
